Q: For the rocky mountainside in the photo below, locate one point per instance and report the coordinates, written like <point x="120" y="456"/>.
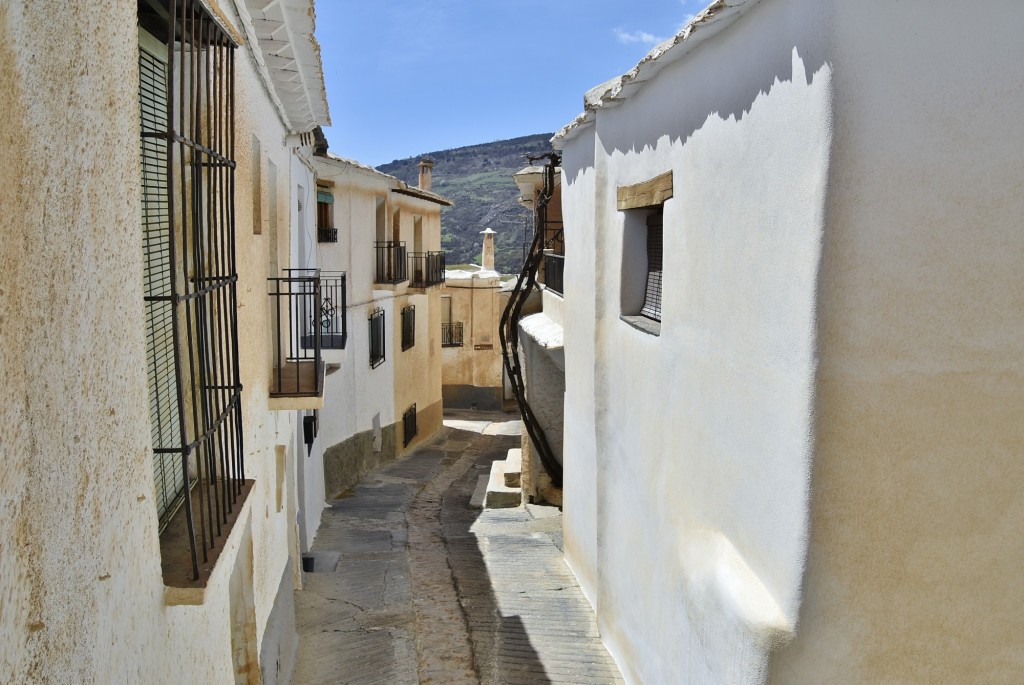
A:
<point x="478" y="178"/>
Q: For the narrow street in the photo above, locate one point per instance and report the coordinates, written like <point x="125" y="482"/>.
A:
<point x="411" y="586"/>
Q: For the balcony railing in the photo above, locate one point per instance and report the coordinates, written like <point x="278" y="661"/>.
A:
<point x="326" y="235"/>
<point x="553" y="267"/>
<point x="296" y="304"/>
<point x="451" y="334"/>
<point x="332" y="323"/>
<point x="426" y="269"/>
<point x="391" y="262"/>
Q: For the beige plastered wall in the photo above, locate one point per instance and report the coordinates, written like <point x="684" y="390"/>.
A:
<point x="80" y="579"/>
<point x="417" y="375"/>
<point x="477" y="303"/>
<point x="915" y="557"/>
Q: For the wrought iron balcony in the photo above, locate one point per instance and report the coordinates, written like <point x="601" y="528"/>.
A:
<point x="554" y="264"/>
<point x="391" y="262"/>
<point x="332" y="324"/>
<point x="326" y="235"/>
<point x="296" y="316"/>
<point x="426" y="269"/>
<point x="451" y="334"/>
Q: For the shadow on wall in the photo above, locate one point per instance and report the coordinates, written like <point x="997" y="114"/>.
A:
<point x="678" y="114"/>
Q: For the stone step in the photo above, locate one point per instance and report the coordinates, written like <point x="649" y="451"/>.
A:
<point x="514" y="468"/>
<point x="499" y="495"/>
<point x="477" y="500"/>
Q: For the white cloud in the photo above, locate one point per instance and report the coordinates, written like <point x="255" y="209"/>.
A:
<point x="630" y="37"/>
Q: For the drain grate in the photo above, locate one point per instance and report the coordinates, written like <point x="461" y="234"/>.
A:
<point x="320" y="562"/>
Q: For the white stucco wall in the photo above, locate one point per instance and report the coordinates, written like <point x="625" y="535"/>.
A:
<point x="579" y="313"/>
<point x="702" y="441"/>
<point x="819" y="457"/>
<point x="915" y="554"/>
<point x="80" y="577"/>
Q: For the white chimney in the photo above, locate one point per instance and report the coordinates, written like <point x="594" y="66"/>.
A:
<point x="426" y="165"/>
<point x="487" y="259"/>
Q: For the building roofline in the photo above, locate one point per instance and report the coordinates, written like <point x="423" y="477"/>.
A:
<point x="715" y="17"/>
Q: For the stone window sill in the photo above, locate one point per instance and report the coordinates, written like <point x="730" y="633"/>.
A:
<point x="643" y="324"/>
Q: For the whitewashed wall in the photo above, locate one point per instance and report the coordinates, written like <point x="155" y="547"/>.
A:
<point x="819" y="460"/>
<point x="701" y="450"/>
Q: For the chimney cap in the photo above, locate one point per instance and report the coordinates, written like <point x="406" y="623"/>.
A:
<point x="427" y="161"/>
<point x="488" y="231"/>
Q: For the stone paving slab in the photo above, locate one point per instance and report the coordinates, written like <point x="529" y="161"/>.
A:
<point x="428" y="591"/>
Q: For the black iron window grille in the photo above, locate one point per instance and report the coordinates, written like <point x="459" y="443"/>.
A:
<point x="408" y="327"/>
<point x="554" y="265"/>
<point x="377" y="347"/>
<point x="390" y="261"/>
<point x="426" y="269"/>
<point x="187" y="145"/>
<point x="408" y="426"/>
<point x="297" y="313"/>
<point x="451" y="334"/>
<point x="652" y="289"/>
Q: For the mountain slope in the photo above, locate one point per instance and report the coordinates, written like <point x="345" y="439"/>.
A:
<point x="478" y="178"/>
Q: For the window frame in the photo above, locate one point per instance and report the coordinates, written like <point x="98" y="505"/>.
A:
<point x="408" y="327"/>
<point x="377" y="330"/>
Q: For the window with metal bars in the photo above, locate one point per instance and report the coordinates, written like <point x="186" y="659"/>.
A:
<point x="376" y="338"/>
<point x="652" y="289"/>
<point x="409" y="429"/>
<point x="408" y="326"/>
<point x="642" y="258"/>
<point x="187" y="149"/>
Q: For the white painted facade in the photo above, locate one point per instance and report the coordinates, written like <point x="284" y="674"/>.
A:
<point x="82" y="593"/>
<point x="358" y="398"/>
<point x="815" y="459"/>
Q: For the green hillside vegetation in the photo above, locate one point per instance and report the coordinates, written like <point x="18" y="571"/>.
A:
<point x="478" y="178"/>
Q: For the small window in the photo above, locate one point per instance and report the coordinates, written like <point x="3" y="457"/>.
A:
<point x="376" y="338"/>
<point x="408" y="327"/>
<point x="409" y="429"/>
<point x="642" y="251"/>
<point x="325" y="229"/>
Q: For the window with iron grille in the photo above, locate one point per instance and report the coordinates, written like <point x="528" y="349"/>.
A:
<point x="652" y="287"/>
<point x="642" y="205"/>
<point x="408" y="327"/>
<point x="376" y="338"/>
<point x="409" y="426"/>
<point x="187" y="151"/>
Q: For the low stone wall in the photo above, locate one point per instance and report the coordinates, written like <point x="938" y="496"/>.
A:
<point x="472" y="397"/>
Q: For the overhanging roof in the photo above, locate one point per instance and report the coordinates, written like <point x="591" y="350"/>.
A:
<point x="281" y="36"/>
<point x="705" y="25"/>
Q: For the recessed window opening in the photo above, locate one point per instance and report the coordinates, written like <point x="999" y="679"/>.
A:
<point x="642" y="206"/>
<point x="408" y="327"/>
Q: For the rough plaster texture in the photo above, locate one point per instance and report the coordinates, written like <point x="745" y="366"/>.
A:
<point x="722" y="521"/>
<point x="915" y="559"/>
<point x="837" y="497"/>
<point x="80" y="580"/>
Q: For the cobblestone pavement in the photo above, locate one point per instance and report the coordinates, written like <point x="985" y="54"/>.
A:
<point x="430" y="591"/>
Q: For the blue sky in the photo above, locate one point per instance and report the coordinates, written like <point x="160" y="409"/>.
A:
<point x="405" y="77"/>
